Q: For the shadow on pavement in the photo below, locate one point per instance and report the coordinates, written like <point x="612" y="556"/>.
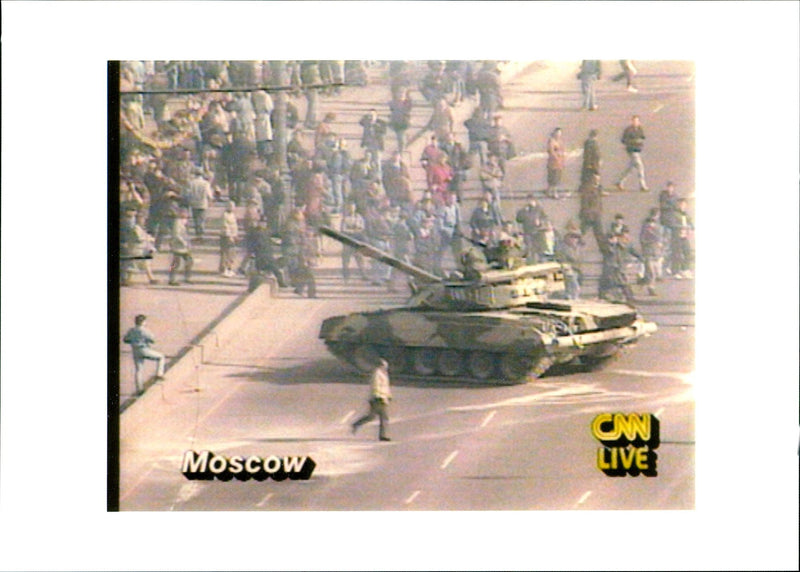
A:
<point x="330" y="370"/>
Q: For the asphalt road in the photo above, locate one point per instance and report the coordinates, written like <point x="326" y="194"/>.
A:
<point x="275" y="390"/>
<point x="455" y="446"/>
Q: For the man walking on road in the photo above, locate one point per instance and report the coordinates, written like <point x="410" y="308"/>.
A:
<point x="633" y="139"/>
<point x="140" y="340"/>
<point x="380" y="396"/>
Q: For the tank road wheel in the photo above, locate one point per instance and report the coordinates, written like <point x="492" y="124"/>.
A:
<point x="516" y="367"/>
<point x="482" y="365"/>
<point x="519" y="368"/>
<point x="397" y="358"/>
<point x="365" y="358"/>
<point x="542" y="365"/>
<point x="423" y="361"/>
<point x="450" y="362"/>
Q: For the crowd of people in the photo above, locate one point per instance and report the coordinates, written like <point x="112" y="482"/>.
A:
<point x="665" y="239"/>
<point x="220" y="148"/>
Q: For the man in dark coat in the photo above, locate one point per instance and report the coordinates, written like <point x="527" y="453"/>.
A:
<point x="530" y="219"/>
<point x="265" y="256"/>
<point x="617" y="251"/>
<point x="633" y="139"/>
<point x="374" y="131"/>
<point x="591" y="212"/>
<point x="591" y="157"/>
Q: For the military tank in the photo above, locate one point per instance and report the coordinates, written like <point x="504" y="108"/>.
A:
<point x="488" y="324"/>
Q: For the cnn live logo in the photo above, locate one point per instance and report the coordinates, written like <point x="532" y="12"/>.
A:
<point x="629" y="443"/>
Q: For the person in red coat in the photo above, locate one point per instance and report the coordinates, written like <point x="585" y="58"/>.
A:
<point x="439" y="176"/>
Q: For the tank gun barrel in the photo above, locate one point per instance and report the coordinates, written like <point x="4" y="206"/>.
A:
<point x="379" y="255"/>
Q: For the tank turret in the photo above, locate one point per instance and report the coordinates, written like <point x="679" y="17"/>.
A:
<point x="492" y="321"/>
<point x="477" y="287"/>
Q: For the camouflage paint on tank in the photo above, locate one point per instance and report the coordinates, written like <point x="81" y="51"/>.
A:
<point x="494" y="323"/>
<point x="488" y="331"/>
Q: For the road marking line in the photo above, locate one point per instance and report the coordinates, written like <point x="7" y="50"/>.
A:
<point x="533" y="398"/>
<point x="347" y="417"/>
<point x="658" y="108"/>
<point x="263" y="501"/>
<point x="449" y="458"/>
<point x="411" y="498"/>
<point x="673" y="374"/>
<point x="585" y="496"/>
<point x="488" y="418"/>
<point x="659" y="412"/>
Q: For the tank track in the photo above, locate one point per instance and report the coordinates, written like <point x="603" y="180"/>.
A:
<point x="445" y="364"/>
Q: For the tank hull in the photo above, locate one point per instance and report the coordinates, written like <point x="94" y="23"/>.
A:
<point x="498" y="322"/>
<point x="509" y="346"/>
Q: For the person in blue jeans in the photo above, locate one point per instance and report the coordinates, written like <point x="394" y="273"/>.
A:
<point x="589" y="74"/>
<point x="140" y="339"/>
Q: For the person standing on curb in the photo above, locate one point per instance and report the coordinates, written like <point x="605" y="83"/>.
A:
<point x="140" y="339"/>
<point x="633" y="139"/>
<point x="380" y="396"/>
